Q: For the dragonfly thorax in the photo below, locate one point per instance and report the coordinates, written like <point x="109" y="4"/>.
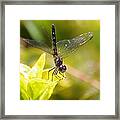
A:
<point x="58" y="61"/>
<point x="59" y="64"/>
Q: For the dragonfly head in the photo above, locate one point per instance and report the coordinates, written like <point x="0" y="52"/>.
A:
<point x="62" y="68"/>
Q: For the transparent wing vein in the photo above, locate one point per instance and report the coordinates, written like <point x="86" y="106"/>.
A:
<point x="66" y="47"/>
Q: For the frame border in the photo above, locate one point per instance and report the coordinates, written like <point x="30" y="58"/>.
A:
<point x="117" y="49"/>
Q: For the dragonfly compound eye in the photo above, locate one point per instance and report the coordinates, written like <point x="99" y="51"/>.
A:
<point x="62" y="68"/>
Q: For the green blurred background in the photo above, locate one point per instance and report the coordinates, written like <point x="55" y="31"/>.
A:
<point x="83" y="73"/>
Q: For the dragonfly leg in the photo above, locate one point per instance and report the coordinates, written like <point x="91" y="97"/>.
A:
<point x="55" y="73"/>
<point x="50" y="71"/>
<point x="58" y="77"/>
<point x="62" y="74"/>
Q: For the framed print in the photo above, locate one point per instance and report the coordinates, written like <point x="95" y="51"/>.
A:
<point x="60" y="59"/>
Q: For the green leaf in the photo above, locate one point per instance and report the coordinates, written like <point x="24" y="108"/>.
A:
<point x="36" y="71"/>
<point x="24" y="69"/>
<point x="23" y="88"/>
<point x="48" y="92"/>
<point x="40" y="89"/>
<point x="35" y="82"/>
<point x="23" y="95"/>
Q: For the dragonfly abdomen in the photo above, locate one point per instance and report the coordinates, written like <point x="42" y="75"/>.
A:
<point x="55" y="52"/>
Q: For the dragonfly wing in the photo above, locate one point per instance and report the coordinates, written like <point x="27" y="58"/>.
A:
<point x="66" y="47"/>
<point x="38" y="44"/>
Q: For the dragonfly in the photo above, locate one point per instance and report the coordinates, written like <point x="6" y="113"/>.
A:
<point x="60" y="49"/>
